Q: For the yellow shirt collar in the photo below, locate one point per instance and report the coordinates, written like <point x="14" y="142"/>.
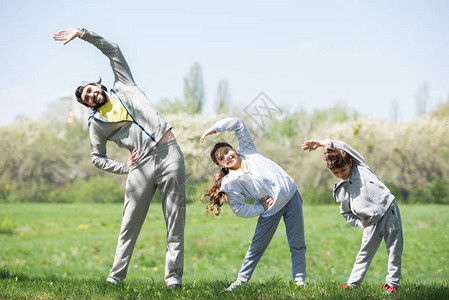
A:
<point x="240" y="170"/>
<point x="114" y="111"/>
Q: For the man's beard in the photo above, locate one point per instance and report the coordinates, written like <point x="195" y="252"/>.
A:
<point x="104" y="100"/>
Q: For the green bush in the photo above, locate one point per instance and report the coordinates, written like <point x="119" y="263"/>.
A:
<point x="7" y="224"/>
<point x="396" y="191"/>
<point x="96" y="189"/>
<point x="439" y="191"/>
<point x="417" y="195"/>
<point x="26" y="191"/>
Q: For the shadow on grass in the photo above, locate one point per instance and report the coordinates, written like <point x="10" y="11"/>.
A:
<point x="6" y="274"/>
<point x="21" y="286"/>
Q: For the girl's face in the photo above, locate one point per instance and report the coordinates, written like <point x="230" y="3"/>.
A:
<point x="343" y="172"/>
<point x="227" y="157"/>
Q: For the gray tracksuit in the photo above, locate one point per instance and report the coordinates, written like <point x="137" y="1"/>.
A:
<point x="160" y="166"/>
<point x="365" y="196"/>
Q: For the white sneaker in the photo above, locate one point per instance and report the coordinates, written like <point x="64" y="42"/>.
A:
<point x="300" y="283"/>
<point x="113" y="281"/>
<point x="234" y="285"/>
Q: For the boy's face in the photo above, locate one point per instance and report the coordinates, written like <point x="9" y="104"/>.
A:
<point x="343" y="172"/>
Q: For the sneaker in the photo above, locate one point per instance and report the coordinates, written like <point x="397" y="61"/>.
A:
<point x="175" y="286"/>
<point x="344" y="287"/>
<point x="300" y="283"/>
<point x="234" y="285"/>
<point x="389" y="289"/>
<point x="113" y="281"/>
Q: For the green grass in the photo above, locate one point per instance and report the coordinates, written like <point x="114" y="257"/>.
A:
<point x="13" y="286"/>
<point x="66" y="251"/>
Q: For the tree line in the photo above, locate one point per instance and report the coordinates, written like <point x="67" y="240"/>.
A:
<point x="48" y="160"/>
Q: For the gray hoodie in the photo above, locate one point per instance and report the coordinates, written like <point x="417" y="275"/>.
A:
<point x="148" y="126"/>
<point x="363" y="195"/>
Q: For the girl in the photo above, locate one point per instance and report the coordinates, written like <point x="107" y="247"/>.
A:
<point x="247" y="174"/>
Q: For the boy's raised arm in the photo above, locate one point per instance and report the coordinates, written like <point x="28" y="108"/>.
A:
<point x="312" y="145"/>
<point x="357" y="158"/>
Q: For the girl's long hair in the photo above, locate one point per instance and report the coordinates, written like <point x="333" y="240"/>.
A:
<point x="216" y="197"/>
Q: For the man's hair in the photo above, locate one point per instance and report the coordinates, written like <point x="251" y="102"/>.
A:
<point x="79" y="90"/>
<point x="336" y="158"/>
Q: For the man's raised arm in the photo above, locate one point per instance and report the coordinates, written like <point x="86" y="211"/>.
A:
<point x="122" y="72"/>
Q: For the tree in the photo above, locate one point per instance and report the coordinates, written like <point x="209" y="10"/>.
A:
<point x="222" y="98"/>
<point x="67" y="109"/>
<point x="194" y="90"/>
<point x="31" y="158"/>
<point x="394" y="111"/>
<point x="422" y="100"/>
<point x="442" y="112"/>
<point x="167" y="106"/>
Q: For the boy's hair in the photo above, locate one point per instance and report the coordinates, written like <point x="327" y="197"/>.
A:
<point x="216" y="197"/>
<point x="336" y="158"/>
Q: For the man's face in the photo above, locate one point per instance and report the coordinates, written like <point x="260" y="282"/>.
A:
<point x="93" y="96"/>
<point x="343" y="172"/>
<point x="227" y="157"/>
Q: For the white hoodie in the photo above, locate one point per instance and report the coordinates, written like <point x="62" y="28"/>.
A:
<point x="262" y="177"/>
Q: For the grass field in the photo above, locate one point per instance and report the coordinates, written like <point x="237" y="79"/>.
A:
<point x="66" y="251"/>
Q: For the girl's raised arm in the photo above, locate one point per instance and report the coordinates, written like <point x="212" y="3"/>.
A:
<point x="246" y="143"/>
<point x="206" y="133"/>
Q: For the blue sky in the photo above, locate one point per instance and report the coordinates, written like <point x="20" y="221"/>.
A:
<point x="309" y="54"/>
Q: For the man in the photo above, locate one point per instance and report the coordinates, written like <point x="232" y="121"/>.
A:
<point x="126" y="116"/>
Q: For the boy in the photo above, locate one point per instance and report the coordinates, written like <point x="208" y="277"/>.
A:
<point x="367" y="203"/>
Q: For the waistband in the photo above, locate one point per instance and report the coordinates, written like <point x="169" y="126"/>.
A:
<point x="165" y="145"/>
<point x="391" y="208"/>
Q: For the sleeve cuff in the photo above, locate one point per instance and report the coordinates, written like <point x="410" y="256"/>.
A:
<point x="329" y="143"/>
<point x="218" y="129"/>
<point x="359" y="223"/>
<point x="260" y="208"/>
<point x="86" y="35"/>
<point x="125" y="168"/>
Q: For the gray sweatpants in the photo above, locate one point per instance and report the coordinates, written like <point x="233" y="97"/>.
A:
<point x="162" y="169"/>
<point x="389" y="228"/>
<point x="265" y="229"/>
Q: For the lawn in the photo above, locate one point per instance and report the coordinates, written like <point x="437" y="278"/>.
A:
<point x="66" y="250"/>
